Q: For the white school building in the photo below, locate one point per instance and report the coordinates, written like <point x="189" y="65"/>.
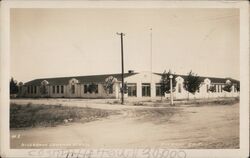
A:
<point x="139" y="85"/>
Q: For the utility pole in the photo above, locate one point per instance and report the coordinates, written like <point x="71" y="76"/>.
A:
<point x="122" y="89"/>
<point x="151" y="61"/>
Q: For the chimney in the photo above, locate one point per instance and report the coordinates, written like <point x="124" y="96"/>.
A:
<point x="130" y="71"/>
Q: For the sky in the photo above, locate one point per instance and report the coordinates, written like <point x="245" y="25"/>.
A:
<point x="76" y="42"/>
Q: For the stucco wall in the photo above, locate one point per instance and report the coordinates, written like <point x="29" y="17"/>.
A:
<point x="144" y="77"/>
<point x="138" y="79"/>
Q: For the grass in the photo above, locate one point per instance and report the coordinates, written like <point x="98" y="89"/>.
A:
<point x="194" y="102"/>
<point x="232" y="144"/>
<point x="30" y="115"/>
<point x="156" y="115"/>
<point x="222" y="101"/>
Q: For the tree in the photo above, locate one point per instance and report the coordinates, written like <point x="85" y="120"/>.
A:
<point x="125" y="88"/>
<point x="212" y="88"/>
<point x="43" y="90"/>
<point x="109" y="83"/>
<point x="228" y="87"/>
<point x="93" y="88"/>
<point x="165" y="82"/>
<point x="13" y="86"/>
<point x="238" y="86"/>
<point x="192" y="83"/>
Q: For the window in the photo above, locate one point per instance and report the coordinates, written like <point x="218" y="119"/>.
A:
<point x="35" y="89"/>
<point x="28" y="89"/>
<point x="62" y="89"/>
<point x="73" y="89"/>
<point x="179" y="88"/>
<point x="91" y="88"/>
<point x="31" y="87"/>
<point x="54" y="89"/>
<point x="57" y="89"/>
<point x="131" y="89"/>
<point x="146" y="89"/>
<point x="85" y="88"/>
<point x="158" y="89"/>
<point x="222" y="86"/>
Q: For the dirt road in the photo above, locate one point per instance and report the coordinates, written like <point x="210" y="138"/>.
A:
<point x="213" y="126"/>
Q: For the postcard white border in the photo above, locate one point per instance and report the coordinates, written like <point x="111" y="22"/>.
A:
<point x="244" y="64"/>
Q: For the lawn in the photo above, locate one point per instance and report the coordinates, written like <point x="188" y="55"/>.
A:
<point x="33" y="115"/>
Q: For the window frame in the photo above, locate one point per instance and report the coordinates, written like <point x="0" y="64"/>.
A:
<point x="158" y="89"/>
<point x="62" y="89"/>
<point x="147" y="87"/>
<point x="57" y="89"/>
<point x="34" y="89"/>
<point x="53" y="89"/>
<point x="28" y="89"/>
<point x="73" y="90"/>
<point x="132" y="91"/>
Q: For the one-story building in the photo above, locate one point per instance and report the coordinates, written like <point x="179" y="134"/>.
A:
<point x="139" y="85"/>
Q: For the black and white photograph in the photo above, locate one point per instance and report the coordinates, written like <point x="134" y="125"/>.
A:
<point x="126" y="78"/>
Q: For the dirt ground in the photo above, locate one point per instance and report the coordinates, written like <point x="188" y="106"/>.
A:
<point x="187" y="127"/>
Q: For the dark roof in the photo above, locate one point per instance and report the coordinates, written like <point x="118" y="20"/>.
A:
<point x="101" y="78"/>
<point x="81" y="79"/>
<point x="212" y="79"/>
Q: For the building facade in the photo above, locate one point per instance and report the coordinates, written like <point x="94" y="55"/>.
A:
<point x="139" y="85"/>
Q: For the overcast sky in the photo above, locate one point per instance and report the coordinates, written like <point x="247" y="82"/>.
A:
<point x="69" y="42"/>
